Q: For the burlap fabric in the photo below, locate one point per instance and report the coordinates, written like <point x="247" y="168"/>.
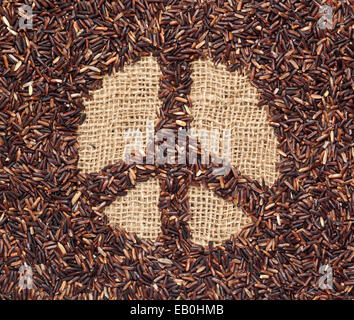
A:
<point x="223" y="100"/>
<point x="137" y="211"/>
<point x="129" y="99"/>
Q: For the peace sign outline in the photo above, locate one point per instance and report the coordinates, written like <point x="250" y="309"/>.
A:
<point x="177" y="20"/>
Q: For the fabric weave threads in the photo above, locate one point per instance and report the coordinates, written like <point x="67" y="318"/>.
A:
<point x="212" y="218"/>
<point x="137" y="211"/>
<point x="129" y="99"/>
<point x="227" y="100"/>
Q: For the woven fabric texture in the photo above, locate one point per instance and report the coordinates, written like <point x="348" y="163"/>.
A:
<point x="213" y="219"/>
<point x="138" y="212"/>
<point x="223" y="100"/>
<point x="129" y="99"/>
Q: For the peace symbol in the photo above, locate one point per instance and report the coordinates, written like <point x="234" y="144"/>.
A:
<point x="176" y="45"/>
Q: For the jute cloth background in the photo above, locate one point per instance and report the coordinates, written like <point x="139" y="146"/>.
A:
<point x="129" y="99"/>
